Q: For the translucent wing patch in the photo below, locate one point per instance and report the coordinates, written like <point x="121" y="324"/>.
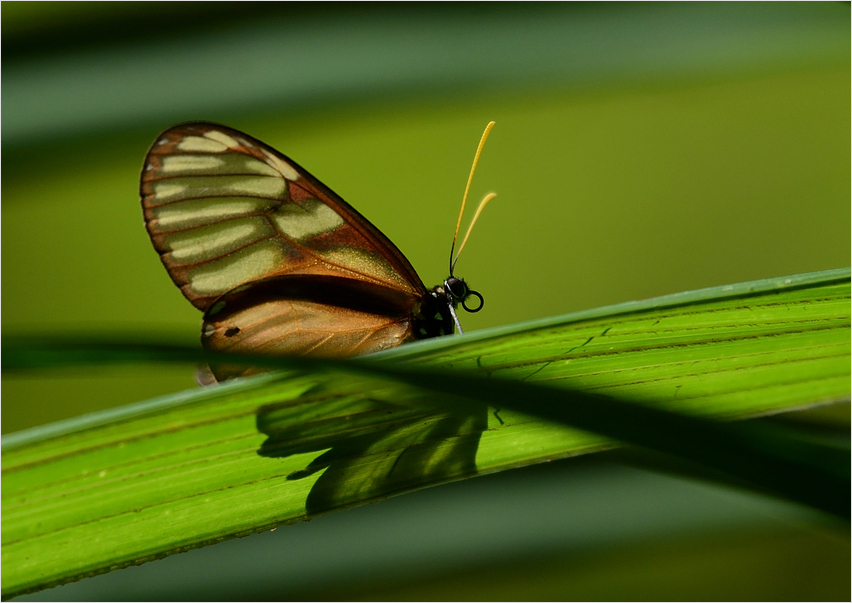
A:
<point x="224" y="210"/>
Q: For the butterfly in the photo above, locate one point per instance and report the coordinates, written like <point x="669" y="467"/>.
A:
<point x="278" y="262"/>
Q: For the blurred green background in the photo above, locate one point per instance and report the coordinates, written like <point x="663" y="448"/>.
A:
<point x="640" y="150"/>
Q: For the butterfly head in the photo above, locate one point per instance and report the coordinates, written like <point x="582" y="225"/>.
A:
<point x="458" y="292"/>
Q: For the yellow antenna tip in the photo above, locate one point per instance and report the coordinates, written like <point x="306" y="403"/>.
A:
<point x="464" y="198"/>
<point x="485" y="201"/>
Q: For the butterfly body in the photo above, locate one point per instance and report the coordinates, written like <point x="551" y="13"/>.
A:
<point x="278" y="262"/>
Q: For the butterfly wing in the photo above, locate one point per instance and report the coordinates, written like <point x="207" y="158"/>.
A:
<point x="278" y="262"/>
<point x="307" y="315"/>
<point x="224" y="210"/>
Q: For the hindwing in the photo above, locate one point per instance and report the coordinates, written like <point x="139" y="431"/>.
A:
<point x="308" y="315"/>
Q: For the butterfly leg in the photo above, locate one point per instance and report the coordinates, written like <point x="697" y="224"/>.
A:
<point x="455" y="318"/>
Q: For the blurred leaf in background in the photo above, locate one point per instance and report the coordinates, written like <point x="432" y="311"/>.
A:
<point x="640" y="149"/>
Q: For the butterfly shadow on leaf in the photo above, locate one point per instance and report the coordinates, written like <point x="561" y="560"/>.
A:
<point x="373" y="448"/>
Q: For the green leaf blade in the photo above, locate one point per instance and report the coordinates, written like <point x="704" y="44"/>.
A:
<point x="137" y="483"/>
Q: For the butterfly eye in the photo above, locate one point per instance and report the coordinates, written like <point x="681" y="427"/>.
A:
<point x="457" y="288"/>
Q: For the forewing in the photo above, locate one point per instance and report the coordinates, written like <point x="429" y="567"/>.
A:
<point x="224" y="210"/>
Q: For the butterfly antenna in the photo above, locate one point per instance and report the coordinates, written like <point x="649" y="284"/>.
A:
<point x="479" y="209"/>
<point x="466" y="190"/>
